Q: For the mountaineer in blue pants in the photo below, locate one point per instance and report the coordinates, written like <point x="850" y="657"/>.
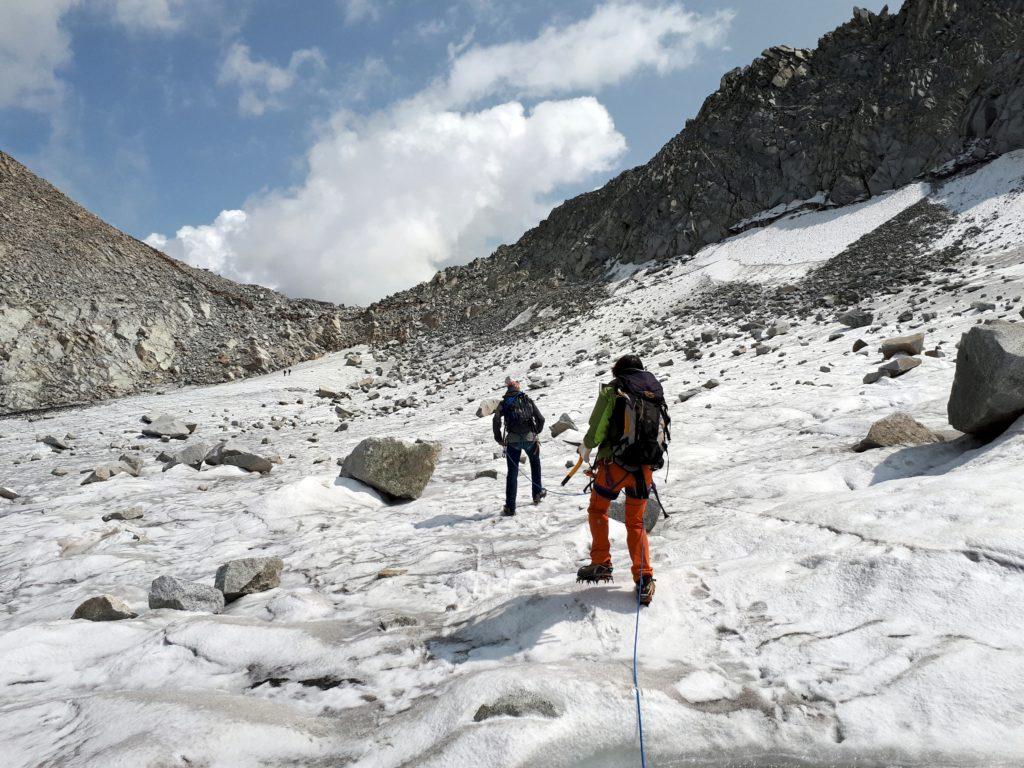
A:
<point x="523" y="423"/>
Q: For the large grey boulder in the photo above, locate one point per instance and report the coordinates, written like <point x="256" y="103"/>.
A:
<point x="191" y="455"/>
<point x="238" y="456"/>
<point x="248" y="575"/>
<point x="169" y="592"/>
<point x="652" y="514"/>
<point x="165" y="425"/>
<point x="104" y="608"/>
<point x="988" y="388"/>
<point x="897" y="429"/>
<point x="394" y="467"/>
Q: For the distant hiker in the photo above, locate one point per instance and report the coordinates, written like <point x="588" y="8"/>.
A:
<point x="629" y="426"/>
<point x="523" y="422"/>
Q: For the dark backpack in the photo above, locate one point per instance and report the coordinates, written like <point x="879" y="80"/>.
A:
<point x="518" y="413"/>
<point x="640" y="428"/>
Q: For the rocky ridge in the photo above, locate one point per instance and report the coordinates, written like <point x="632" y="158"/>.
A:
<point x="884" y="99"/>
<point x="88" y="313"/>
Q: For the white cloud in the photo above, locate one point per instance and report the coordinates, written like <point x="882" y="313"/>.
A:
<point x="206" y="246"/>
<point x="262" y="83"/>
<point x="152" y="15"/>
<point x="613" y="43"/>
<point x="390" y="197"/>
<point x="32" y="48"/>
<point x="360" y="10"/>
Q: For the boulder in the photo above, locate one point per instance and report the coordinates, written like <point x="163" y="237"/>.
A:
<point x="248" y="575"/>
<point x="856" y="318"/>
<point x="898" y="366"/>
<point x="191" y="455"/>
<point x="909" y="345"/>
<point x="394" y="467"/>
<point x="488" y="407"/>
<point x="330" y="394"/>
<point x="652" y="514"/>
<point x="897" y="429"/>
<point x="169" y="592"/>
<point x="238" y="456"/>
<point x="687" y="394"/>
<point x="491" y="473"/>
<point x="7" y="493"/>
<point x="859" y="344"/>
<point x="988" y="387"/>
<point x="353" y="359"/>
<point x="104" y="608"/>
<point x="166" y="425"/>
<point x="564" y="424"/>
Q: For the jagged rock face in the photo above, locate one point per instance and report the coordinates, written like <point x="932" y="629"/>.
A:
<point x="881" y="100"/>
<point x="88" y="313"/>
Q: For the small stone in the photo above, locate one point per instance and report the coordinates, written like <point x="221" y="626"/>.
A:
<point x="491" y="473"/>
<point x="899" y="366"/>
<point x="104" y="608"/>
<point x="7" y="493"/>
<point x="390" y="573"/>
<point x="132" y="513"/>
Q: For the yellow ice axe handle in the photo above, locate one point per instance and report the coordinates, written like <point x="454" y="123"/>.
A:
<point x="579" y="463"/>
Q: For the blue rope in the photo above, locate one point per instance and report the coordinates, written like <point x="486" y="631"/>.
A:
<point x="636" y="681"/>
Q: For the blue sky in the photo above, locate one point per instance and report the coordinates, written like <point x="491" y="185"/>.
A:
<point x="347" y="148"/>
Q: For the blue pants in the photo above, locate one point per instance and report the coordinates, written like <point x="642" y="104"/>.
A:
<point x="512" y="454"/>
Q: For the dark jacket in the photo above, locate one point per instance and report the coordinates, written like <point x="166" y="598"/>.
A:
<point x="499" y="412"/>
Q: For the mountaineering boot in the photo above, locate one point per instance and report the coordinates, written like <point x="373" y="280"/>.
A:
<point x="594" y="573"/>
<point x="645" y="590"/>
<point x="539" y="495"/>
<point x="507" y="511"/>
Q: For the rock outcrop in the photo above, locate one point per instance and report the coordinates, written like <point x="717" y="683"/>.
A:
<point x="88" y="313"/>
<point x="988" y="388"/>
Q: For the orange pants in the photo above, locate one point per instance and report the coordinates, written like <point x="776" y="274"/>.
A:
<point x="610" y="480"/>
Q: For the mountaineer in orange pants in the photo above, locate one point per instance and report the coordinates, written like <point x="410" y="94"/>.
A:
<point x="629" y="426"/>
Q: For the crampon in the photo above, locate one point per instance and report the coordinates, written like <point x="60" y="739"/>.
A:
<point x="594" y="573"/>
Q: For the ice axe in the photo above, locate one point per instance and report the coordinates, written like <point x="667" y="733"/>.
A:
<point x="572" y="471"/>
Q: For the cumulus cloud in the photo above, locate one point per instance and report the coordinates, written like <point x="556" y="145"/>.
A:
<point x="261" y="83"/>
<point x="440" y="177"/>
<point x="33" y="46"/>
<point x="389" y="198"/>
<point x="616" y="41"/>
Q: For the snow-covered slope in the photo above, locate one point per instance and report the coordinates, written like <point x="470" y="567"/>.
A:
<point x="815" y="606"/>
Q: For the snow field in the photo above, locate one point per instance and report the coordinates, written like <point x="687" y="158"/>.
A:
<point x="814" y="605"/>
